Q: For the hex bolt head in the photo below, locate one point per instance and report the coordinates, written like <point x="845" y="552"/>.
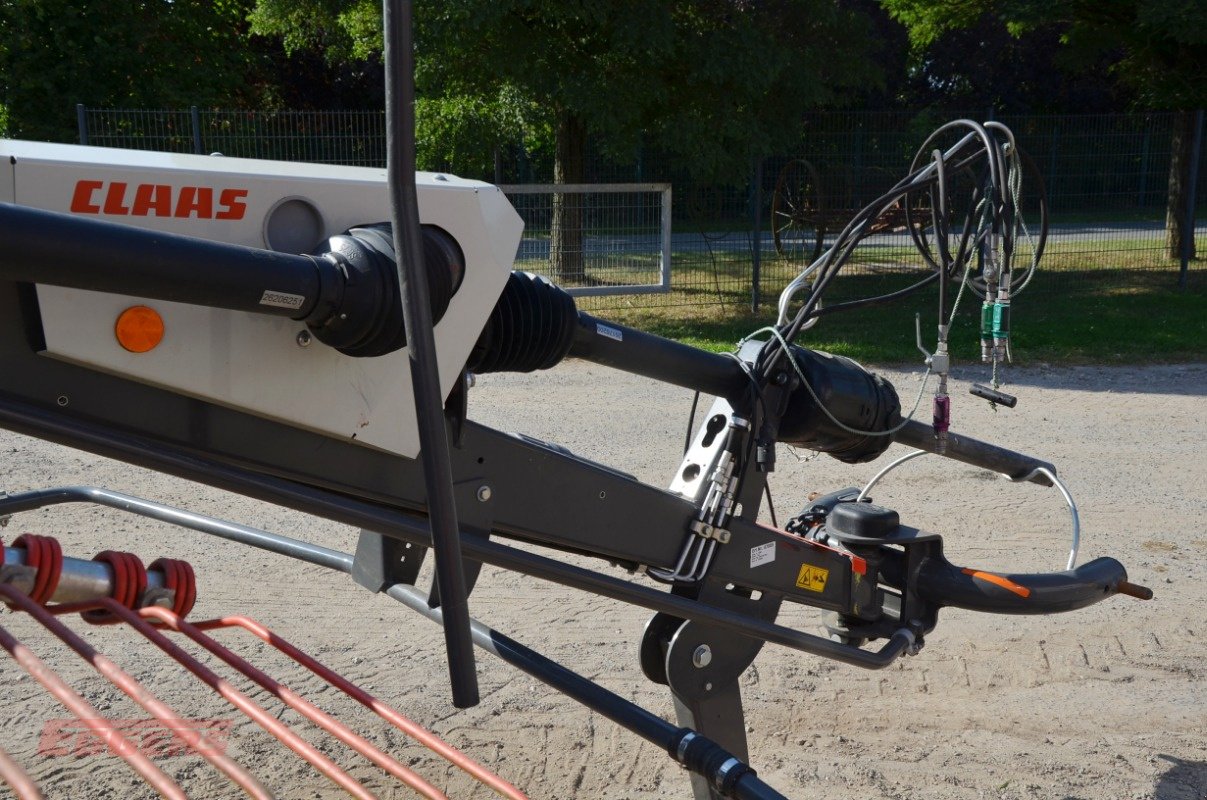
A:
<point x="702" y="656"/>
<point x="484" y="493"/>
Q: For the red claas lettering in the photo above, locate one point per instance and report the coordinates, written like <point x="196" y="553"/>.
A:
<point x="118" y="199"/>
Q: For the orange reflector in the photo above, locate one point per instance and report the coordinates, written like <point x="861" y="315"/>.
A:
<point x="999" y="580"/>
<point x="139" y="329"/>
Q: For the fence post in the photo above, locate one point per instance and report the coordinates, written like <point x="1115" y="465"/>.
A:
<point x="756" y="239"/>
<point x="1052" y="156"/>
<point x="1148" y="127"/>
<point x="1191" y="199"/>
<point x="195" y="116"/>
<point x="81" y="119"/>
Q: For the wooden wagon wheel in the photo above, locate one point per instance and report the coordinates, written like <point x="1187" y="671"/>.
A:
<point x="798" y="226"/>
<point x="1033" y="208"/>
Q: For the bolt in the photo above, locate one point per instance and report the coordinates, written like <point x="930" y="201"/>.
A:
<point x="304" y="338"/>
<point x="484" y="493"/>
<point x="62" y="400"/>
<point x="702" y="657"/>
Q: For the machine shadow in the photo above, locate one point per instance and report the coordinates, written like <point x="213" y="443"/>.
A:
<point x="1185" y="780"/>
<point x="1188" y="380"/>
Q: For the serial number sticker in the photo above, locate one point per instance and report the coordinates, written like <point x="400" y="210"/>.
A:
<point x="811" y="578"/>
<point x="282" y="299"/>
<point x="763" y="554"/>
<point x="609" y="331"/>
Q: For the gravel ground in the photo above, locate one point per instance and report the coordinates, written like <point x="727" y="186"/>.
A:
<point x="1108" y="702"/>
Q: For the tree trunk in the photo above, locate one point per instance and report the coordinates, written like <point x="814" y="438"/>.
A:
<point x="1181" y="150"/>
<point x="566" y="227"/>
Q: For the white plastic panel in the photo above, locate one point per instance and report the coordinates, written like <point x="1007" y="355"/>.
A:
<point x="6" y="180"/>
<point x="247" y="361"/>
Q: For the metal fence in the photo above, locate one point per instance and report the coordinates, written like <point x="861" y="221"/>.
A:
<point x="1106" y="176"/>
<point x="596" y="239"/>
<point x="356" y="138"/>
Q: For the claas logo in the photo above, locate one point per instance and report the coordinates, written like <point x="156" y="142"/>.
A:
<point x="120" y="199"/>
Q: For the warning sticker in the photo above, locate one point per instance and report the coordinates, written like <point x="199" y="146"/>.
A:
<point x="763" y="554"/>
<point x="811" y="578"/>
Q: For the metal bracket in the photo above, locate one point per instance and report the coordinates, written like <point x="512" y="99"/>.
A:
<point x="702" y="665"/>
<point x="382" y="561"/>
<point x="706" y="531"/>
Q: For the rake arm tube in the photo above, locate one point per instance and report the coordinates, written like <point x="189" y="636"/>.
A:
<point x="80" y="253"/>
<point x="975" y="452"/>
<point x="731" y="776"/>
<point x="613" y="345"/>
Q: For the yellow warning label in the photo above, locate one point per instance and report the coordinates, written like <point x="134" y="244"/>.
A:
<point x="811" y="578"/>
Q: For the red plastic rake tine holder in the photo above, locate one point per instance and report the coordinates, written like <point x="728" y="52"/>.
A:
<point x="297" y="703"/>
<point x="386" y="712"/>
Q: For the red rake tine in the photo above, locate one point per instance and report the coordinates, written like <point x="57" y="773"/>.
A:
<point x="297" y="703"/>
<point x="17" y="778"/>
<point x="194" y="739"/>
<point x="241" y="701"/>
<point x="88" y="716"/>
<point x="388" y="713"/>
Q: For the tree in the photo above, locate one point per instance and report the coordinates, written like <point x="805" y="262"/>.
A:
<point x="713" y="83"/>
<point x="1012" y="73"/>
<point x="149" y="53"/>
<point x="1156" y="49"/>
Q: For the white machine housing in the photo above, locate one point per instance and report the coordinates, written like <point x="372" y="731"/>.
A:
<point x="246" y="361"/>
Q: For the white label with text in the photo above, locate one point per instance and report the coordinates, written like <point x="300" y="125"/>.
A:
<point x="763" y="554"/>
<point x="609" y="331"/>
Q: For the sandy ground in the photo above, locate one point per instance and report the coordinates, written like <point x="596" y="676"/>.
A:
<point x="1108" y="702"/>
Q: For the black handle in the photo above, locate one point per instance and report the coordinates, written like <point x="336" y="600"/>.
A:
<point x="993" y="395"/>
<point x="944" y="584"/>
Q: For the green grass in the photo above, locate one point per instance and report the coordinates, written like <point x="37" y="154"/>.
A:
<point x="1091" y="316"/>
<point x="695" y="269"/>
<point x="1113" y="301"/>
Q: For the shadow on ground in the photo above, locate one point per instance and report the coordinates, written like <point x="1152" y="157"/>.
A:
<point x="1185" y="780"/>
<point x="1188" y="380"/>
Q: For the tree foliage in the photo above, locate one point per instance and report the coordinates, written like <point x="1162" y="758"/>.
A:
<point x="985" y="66"/>
<point x="712" y="82"/>
<point x="1155" y="48"/>
<point x="147" y="53"/>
